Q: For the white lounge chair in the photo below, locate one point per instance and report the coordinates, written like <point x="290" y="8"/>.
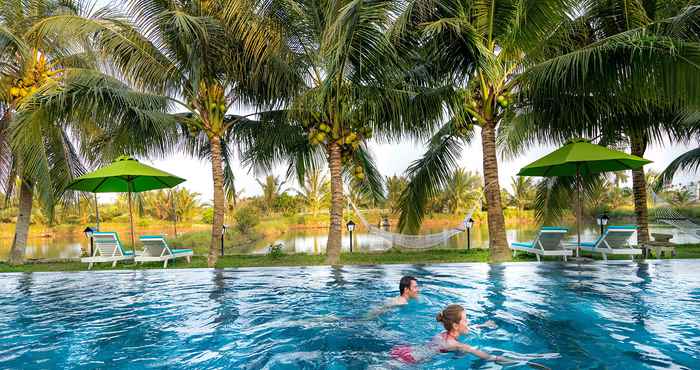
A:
<point x="155" y="249"/>
<point x="547" y="243"/>
<point x="614" y="241"/>
<point x="107" y="248"/>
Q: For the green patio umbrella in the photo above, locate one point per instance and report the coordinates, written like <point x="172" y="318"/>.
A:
<point x="581" y="158"/>
<point x="125" y="175"/>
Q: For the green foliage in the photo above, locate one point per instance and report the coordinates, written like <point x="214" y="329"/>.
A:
<point x="122" y="218"/>
<point x="168" y="204"/>
<point x="522" y="192"/>
<point x="463" y="192"/>
<point x="680" y="198"/>
<point x="207" y="215"/>
<point x="315" y="191"/>
<point x="275" y="250"/>
<point x="271" y="188"/>
<point x="72" y="220"/>
<point x="246" y="220"/>
<point x="144" y="222"/>
<point x="199" y="241"/>
<point x="289" y="205"/>
<point x="395" y="185"/>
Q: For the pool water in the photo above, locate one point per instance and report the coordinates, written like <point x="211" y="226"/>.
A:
<point x="564" y="316"/>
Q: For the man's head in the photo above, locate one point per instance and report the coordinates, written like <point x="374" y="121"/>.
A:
<point x="408" y="286"/>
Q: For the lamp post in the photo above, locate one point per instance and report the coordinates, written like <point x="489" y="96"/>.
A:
<point x="351" y="227"/>
<point x="88" y="234"/>
<point x="385" y="223"/>
<point x="470" y="223"/>
<point x="223" y="232"/>
<point x="602" y="221"/>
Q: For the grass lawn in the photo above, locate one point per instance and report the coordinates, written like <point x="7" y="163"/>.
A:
<point x="389" y="257"/>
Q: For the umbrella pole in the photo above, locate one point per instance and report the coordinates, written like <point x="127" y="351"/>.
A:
<point x="172" y="204"/>
<point x="97" y="213"/>
<point x="131" y="221"/>
<point x="578" y="216"/>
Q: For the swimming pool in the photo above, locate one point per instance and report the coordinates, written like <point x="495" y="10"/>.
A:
<point x="616" y="316"/>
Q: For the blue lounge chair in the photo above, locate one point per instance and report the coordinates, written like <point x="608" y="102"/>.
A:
<point x="614" y="241"/>
<point x="547" y="243"/>
<point x="155" y="249"/>
<point x="107" y="248"/>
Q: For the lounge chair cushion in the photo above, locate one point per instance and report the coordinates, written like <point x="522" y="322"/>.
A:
<point x="588" y="244"/>
<point x="523" y="244"/>
<point x="623" y="227"/>
<point x="176" y="251"/>
<point x="557" y="228"/>
<point x="128" y="253"/>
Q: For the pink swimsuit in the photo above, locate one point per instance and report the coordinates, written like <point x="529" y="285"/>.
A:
<point x="414" y="354"/>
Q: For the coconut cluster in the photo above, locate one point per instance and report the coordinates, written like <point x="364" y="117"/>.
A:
<point x="504" y="100"/>
<point x="36" y="76"/>
<point x="349" y="140"/>
<point x="213" y="104"/>
<point x="464" y="127"/>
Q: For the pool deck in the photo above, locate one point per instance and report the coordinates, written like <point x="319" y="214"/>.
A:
<point x="691" y="251"/>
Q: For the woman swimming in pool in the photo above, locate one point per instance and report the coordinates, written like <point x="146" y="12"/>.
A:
<point x="454" y="319"/>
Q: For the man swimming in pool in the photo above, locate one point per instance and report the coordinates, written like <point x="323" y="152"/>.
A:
<point x="408" y="289"/>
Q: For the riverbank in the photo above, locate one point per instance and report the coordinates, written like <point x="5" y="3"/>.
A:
<point x="298" y="259"/>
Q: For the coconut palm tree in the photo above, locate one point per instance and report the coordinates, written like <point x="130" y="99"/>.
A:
<point x="475" y="49"/>
<point x="44" y="116"/>
<point x="271" y="189"/>
<point x="462" y="192"/>
<point x="315" y="191"/>
<point x="639" y="98"/>
<point x="619" y="177"/>
<point x="354" y="88"/>
<point x="680" y="198"/>
<point x="395" y="186"/>
<point x="522" y="191"/>
<point x="515" y="61"/>
<point x="203" y="56"/>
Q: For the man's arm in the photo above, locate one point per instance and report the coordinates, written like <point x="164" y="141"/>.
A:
<point x="388" y="305"/>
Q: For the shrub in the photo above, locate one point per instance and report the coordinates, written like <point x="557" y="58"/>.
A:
<point x="208" y="216"/>
<point x="71" y="220"/>
<point x="120" y="219"/>
<point x="246" y="219"/>
<point x="275" y="250"/>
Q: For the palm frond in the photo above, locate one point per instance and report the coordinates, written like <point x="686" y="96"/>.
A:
<point x="130" y="122"/>
<point x="688" y="161"/>
<point x="556" y="195"/>
<point x="372" y="185"/>
<point x="427" y="176"/>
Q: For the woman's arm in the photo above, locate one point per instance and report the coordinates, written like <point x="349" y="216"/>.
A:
<point x="490" y="324"/>
<point x="481" y="354"/>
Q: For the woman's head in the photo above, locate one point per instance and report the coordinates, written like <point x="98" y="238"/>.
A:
<point x="453" y="317"/>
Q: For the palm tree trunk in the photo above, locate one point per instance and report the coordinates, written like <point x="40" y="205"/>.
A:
<point x="335" y="232"/>
<point x="639" y="188"/>
<point x="498" y="247"/>
<point x="19" y="244"/>
<point x="218" y="175"/>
